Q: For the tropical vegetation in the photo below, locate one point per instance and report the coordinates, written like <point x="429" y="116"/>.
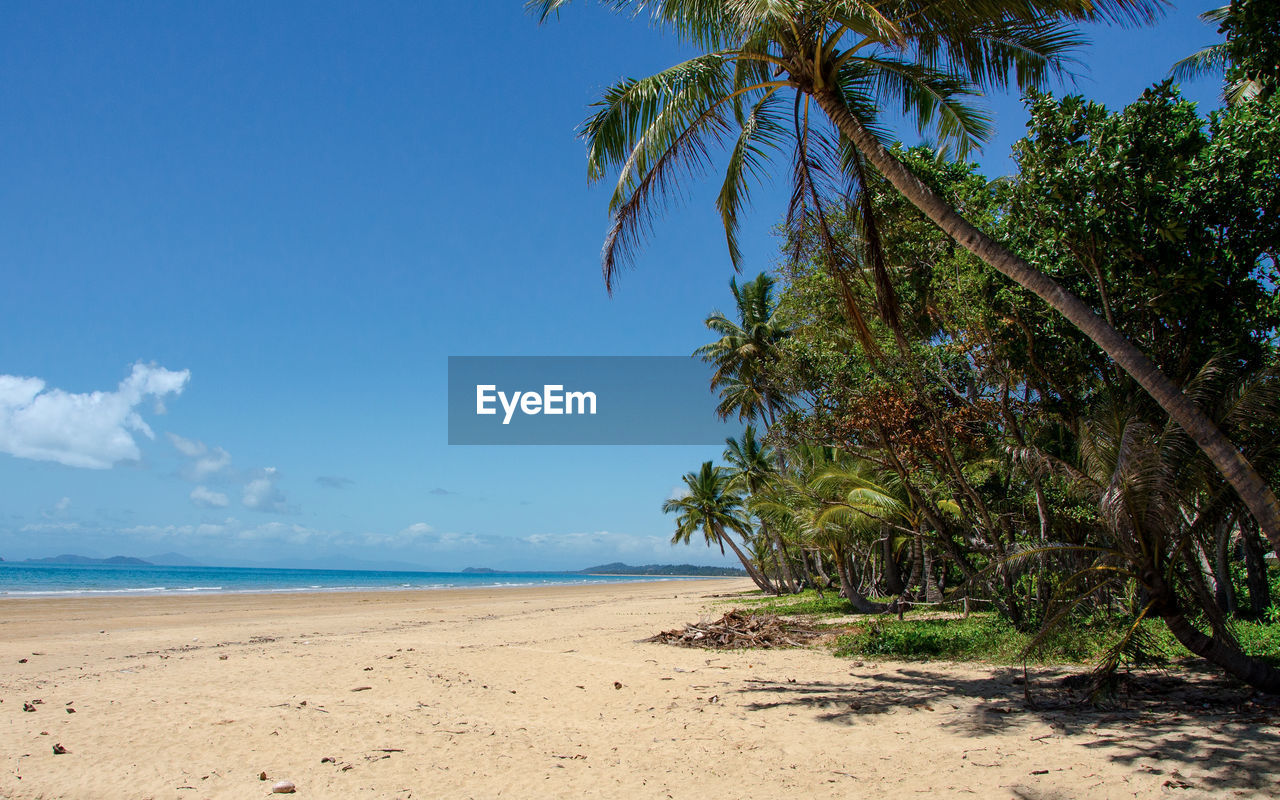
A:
<point x="923" y="431"/>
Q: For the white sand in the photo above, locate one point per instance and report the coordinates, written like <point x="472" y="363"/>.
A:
<point x="511" y="693"/>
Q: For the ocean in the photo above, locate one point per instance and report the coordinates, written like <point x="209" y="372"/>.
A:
<point x="65" y="580"/>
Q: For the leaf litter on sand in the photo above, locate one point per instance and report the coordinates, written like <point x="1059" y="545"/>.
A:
<point x="739" y="629"/>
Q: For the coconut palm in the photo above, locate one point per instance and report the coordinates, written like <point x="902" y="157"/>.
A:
<point x="744" y="349"/>
<point x="751" y="464"/>
<point x="1154" y="500"/>
<point x="815" y="75"/>
<point x="801" y="500"/>
<point x="1215" y="60"/>
<point x="711" y="506"/>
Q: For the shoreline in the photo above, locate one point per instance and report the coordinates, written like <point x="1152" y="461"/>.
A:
<point x="546" y="692"/>
<point x="107" y="594"/>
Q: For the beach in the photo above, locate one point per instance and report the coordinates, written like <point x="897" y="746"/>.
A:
<point x="547" y="692"/>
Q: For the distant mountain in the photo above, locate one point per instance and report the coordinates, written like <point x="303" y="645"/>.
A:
<point x="479" y="571"/>
<point x="618" y="568"/>
<point x="85" y="561"/>
<point x="174" y="560"/>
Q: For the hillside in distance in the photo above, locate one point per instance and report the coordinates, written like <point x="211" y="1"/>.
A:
<point x="618" y="568"/>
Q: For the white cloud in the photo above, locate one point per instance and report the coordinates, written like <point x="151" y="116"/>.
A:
<point x="207" y="498"/>
<point x="187" y="447"/>
<point x="262" y="494"/>
<point x="58" y="510"/>
<point x="204" y="461"/>
<point x="621" y="543"/>
<point x="94" y="430"/>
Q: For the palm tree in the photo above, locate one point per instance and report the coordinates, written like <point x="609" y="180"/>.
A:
<point x="743" y="351"/>
<point x="1215" y="60"/>
<point x="712" y="507"/>
<point x="751" y="466"/>
<point x="851" y="58"/>
<point x="1158" y="504"/>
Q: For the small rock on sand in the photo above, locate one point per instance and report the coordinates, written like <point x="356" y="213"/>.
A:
<point x="283" y="787"/>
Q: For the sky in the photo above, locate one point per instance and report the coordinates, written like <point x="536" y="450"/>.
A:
<point x="239" y="242"/>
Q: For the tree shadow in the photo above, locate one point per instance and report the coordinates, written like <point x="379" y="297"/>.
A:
<point x="1190" y="717"/>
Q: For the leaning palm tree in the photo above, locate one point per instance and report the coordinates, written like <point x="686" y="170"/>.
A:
<point x="816" y="74"/>
<point x="712" y="507"/>
<point x="1151" y="508"/>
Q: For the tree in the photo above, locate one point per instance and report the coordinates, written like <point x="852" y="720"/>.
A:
<point x="752" y="465"/>
<point x="713" y="508"/>
<point x="851" y="58"/>
<point x="743" y="350"/>
<point x="1247" y="80"/>
<point x="1154" y="503"/>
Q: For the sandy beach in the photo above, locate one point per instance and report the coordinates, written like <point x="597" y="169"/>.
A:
<point x="547" y="693"/>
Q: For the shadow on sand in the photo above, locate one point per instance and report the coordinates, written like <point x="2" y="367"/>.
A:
<point x="1188" y="716"/>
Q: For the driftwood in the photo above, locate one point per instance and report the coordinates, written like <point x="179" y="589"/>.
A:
<point x="737" y="630"/>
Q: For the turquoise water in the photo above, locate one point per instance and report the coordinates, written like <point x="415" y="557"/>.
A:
<point x="62" y="580"/>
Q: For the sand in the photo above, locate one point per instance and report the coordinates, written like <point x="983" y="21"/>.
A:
<point x="546" y="693"/>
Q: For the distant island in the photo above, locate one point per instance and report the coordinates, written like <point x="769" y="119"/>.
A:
<point x="618" y="568"/>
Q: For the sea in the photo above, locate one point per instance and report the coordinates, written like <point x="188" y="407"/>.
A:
<point x="66" y="580"/>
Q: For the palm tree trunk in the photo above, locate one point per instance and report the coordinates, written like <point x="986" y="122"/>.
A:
<point x="892" y="576"/>
<point x="1237" y="470"/>
<point x="932" y="592"/>
<point x="1255" y="566"/>
<point x="917" y="559"/>
<point x="788" y="577"/>
<point x="1225" y="654"/>
<point x="1224" y="588"/>
<point x="842" y="571"/>
<point x="808" y="573"/>
<point x="756" y="575"/>
<point x="823" y="577"/>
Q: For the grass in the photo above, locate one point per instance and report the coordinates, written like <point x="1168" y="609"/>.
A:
<point x="806" y="603"/>
<point x="922" y="636"/>
<point x="982" y="637"/>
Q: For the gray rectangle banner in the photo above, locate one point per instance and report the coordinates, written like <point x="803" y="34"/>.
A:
<point x="527" y="400"/>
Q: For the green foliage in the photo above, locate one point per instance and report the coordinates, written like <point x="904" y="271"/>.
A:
<point x="985" y="637"/>
<point x="806" y="603"/>
<point x="1182" y="271"/>
<point x="1253" y="46"/>
<point x="1260" y="639"/>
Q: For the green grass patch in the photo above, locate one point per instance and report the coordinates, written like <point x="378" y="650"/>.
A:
<point x="1260" y="640"/>
<point x="984" y="637"/>
<point x="806" y="603"/>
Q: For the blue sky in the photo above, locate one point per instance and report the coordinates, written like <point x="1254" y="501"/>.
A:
<point x="259" y="230"/>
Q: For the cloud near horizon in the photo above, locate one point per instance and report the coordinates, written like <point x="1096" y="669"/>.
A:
<point x="203" y="497"/>
<point x="92" y="431"/>
<point x="233" y="540"/>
